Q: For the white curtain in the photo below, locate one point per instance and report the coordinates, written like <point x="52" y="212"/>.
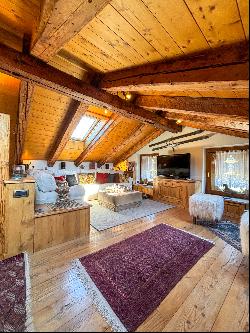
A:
<point x="148" y="167"/>
<point x="232" y="171"/>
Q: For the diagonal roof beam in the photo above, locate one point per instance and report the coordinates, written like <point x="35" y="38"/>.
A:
<point x="126" y="143"/>
<point x="60" y="21"/>
<point x="31" y="69"/>
<point x="142" y="143"/>
<point x="74" y="114"/>
<point x="25" y="99"/>
<point x="104" y="131"/>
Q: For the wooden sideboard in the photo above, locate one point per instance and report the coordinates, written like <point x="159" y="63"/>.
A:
<point x="174" y="191"/>
<point x="234" y="208"/>
<point x="24" y="230"/>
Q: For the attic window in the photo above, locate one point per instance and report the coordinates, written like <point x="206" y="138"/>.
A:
<point x="83" y="128"/>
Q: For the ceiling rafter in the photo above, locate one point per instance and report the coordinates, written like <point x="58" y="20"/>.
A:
<point x="128" y="142"/>
<point x="99" y="137"/>
<point x="142" y="143"/>
<point x="29" y="68"/>
<point x="60" y="21"/>
<point x="25" y="99"/>
<point x="220" y="67"/>
<point x="74" y="114"/>
<point x="219" y="106"/>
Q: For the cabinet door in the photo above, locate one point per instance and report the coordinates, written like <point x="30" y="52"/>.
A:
<point x="172" y="193"/>
<point x="19" y="213"/>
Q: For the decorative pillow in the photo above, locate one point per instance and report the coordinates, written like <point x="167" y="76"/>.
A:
<point x="101" y="178"/>
<point x="45" y="181"/>
<point x="123" y="178"/>
<point x="72" y="180"/>
<point x="59" y="178"/>
<point x="116" y="178"/>
<point x="111" y="178"/>
<point x="86" y="178"/>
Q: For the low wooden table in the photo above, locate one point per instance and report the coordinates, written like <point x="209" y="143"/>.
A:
<point x="53" y="227"/>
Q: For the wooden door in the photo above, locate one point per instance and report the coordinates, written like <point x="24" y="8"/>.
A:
<point x="4" y="173"/>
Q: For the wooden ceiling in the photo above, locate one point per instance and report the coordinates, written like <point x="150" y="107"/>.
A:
<point x="183" y="60"/>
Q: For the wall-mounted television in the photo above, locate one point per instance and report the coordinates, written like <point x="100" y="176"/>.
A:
<point x="174" y="166"/>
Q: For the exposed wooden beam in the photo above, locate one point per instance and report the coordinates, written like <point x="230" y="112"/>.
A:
<point x="222" y="66"/>
<point x="60" y="21"/>
<point x="25" y="99"/>
<point x="229" y="125"/>
<point x="31" y="69"/>
<point x="142" y="143"/>
<point x="220" y="106"/>
<point x="75" y="112"/>
<point x="104" y="131"/>
<point x="126" y="144"/>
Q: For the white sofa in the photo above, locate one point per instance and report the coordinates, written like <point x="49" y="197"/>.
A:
<point x="45" y="188"/>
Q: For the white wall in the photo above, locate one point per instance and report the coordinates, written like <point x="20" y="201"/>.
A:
<point x="70" y="167"/>
<point x="196" y="149"/>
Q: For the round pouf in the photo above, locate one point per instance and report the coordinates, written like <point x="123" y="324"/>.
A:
<point x="244" y="233"/>
<point x="206" y="207"/>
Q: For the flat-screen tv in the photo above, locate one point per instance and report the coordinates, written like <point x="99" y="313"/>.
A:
<point x="174" y="166"/>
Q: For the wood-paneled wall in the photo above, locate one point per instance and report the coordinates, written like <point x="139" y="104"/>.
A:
<point x="9" y="96"/>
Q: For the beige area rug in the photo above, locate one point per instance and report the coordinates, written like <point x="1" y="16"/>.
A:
<point x="102" y="218"/>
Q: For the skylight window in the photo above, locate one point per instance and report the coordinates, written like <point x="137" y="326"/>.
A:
<point x="83" y="128"/>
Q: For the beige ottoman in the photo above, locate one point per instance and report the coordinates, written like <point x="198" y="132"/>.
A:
<point x="120" y="201"/>
<point x="244" y="233"/>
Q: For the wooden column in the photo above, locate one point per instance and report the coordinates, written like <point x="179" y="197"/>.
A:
<point x="4" y="172"/>
<point x="25" y="98"/>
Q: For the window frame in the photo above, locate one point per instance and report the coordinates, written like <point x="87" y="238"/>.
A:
<point x="209" y="156"/>
<point x="143" y="155"/>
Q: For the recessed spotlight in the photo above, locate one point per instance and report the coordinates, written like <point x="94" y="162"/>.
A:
<point x="105" y="111"/>
<point x="179" y="121"/>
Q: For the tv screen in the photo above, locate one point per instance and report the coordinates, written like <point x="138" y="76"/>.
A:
<point x="174" y="166"/>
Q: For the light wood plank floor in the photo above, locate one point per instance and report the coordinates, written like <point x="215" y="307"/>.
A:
<point x="212" y="296"/>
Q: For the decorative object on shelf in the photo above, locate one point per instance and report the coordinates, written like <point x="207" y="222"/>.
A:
<point x="92" y="165"/>
<point x="107" y="166"/>
<point x="63" y="165"/>
<point x="18" y="171"/>
<point x="62" y="191"/>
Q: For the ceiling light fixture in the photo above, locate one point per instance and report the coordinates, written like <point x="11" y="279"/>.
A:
<point x="128" y="96"/>
<point x="179" y="121"/>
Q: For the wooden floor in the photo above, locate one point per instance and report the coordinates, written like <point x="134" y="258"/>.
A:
<point x="213" y="296"/>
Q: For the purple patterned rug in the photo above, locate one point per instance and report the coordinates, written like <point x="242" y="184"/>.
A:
<point x="129" y="280"/>
<point x="14" y="306"/>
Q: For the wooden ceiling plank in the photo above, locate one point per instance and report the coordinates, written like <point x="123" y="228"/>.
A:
<point x="107" y="128"/>
<point x="60" y="22"/>
<point x="210" y="65"/>
<point x="219" y="20"/>
<point x="114" y="20"/>
<point x="243" y="6"/>
<point x="25" y="99"/>
<point x="34" y="70"/>
<point x="179" y="23"/>
<point x="73" y="116"/>
<point x="142" y="143"/>
<point x="220" y="106"/>
<point x="140" y="17"/>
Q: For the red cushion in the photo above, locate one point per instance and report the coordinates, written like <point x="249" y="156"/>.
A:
<point x="60" y="178"/>
<point x="101" y="178"/>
